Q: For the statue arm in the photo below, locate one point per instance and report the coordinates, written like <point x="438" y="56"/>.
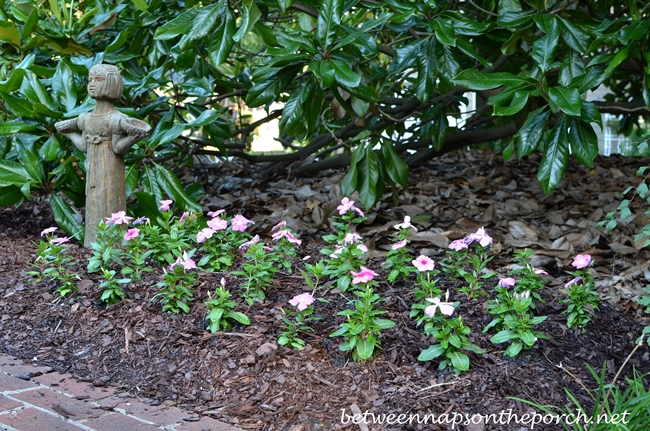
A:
<point x="135" y="131"/>
<point x="69" y="128"/>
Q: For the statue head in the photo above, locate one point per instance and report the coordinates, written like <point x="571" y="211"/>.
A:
<point x="105" y="82"/>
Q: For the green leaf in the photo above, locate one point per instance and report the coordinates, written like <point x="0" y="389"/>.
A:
<point x="574" y="36"/>
<point x="459" y="360"/>
<point x="13" y="173"/>
<point x="182" y="24"/>
<point x="556" y="157"/>
<point x="397" y="169"/>
<point x="344" y="75"/>
<point x="10" y="195"/>
<point x="365" y="27"/>
<point x="370" y="184"/>
<point x="618" y="59"/>
<point x="502" y="336"/>
<point x="544" y="48"/>
<point x="566" y="99"/>
<point x="476" y="80"/>
<point x="514" y="349"/>
<point x="50" y="149"/>
<point x="509" y="151"/>
<point x="141" y="4"/>
<point x="172" y="186"/>
<point x="431" y="353"/>
<point x="271" y="85"/>
<point x="329" y="17"/>
<point x="63" y="86"/>
<point x="293" y="108"/>
<point x="426" y="79"/>
<point x="444" y="30"/>
<point x="13" y="128"/>
<point x="207" y="117"/>
<point x="240" y="317"/>
<point x="147" y="206"/>
<point x="9" y="32"/>
<point x="519" y="100"/>
<point x="250" y="14"/>
<point x="222" y="39"/>
<point x="384" y="323"/>
<point x="365" y="349"/>
<point x="33" y="166"/>
<point x="528" y="338"/>
<point x="351" y="179"/>
<point x="64" y="216"/>
<point x="203" y="22"/>
<point x="584" y="142"/>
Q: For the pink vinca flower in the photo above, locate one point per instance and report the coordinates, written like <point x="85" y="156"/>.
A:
<point x="581" y="261"/>
<point x="131" y="233"/>
<point x="247" y="244"/>
<point x="363" y="248"/>
<point x="164" y="205"/>
<point x="120" y="217"/>
<point x="186" y="262"/>
<point x="458" y="245"/>
<point x="60" y="240"/>
<point x="140" y="220"/>
<point x="398" y="245"/>
<point x="479" y="236"/>
<point x="302" y="301"/>
<point x="572" y="282"/>
<point x="540" y="271"/>
<point x="48" y="230"/>
<point x="423" y="263"/>
<point x="351" y="238"/>
<point x="336" y="252"/>
<point x="523" y="295"/>
<point x="217" y="224"/>
<point x="507" y="282"/>
<point x="288" y="235"/>
<point x="406" y="224"/>
<point x="446" y="308"/>
<point x="215" y="213"/>
<point x="183" y="216"/>
<point x="240" y="223"/>
<point x="278" y="226"/>
<point x="204" y="234"/>
<point x="363" y="276"/>
<point x="347" y="205"/>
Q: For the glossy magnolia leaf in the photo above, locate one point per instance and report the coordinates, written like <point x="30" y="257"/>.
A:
<point x="444" y="31"/>
<point x="351" y="179"/>
<point x="250" y="14"/>
<point x="64" y="87"/>
<point x="170" y="183"/>
<point x="584" y="142"/>
<point x="9" y="33"/>
<point x="566" y="99"/>
<point x="271" y="85"/>
<point x="476" y="80"/>
<point x="50" y="149"/>
<point x="132" y="176"/>
<point x="532" y="130"/>
<point x="13" y="173"/>
<point x="292" y="112"/>
<point x="519" y="100"/>
<point x="329" y="17"/>
<point x="207" y="117"/>
<point x="397" y="169"/>
<point x="10" y="195"/>
<point x="182" y="24"/>
<point x="618" y="59"/>
<point x="370" y="182"/>
<point x="313" y="106"/>
<point x="635" y="31"/>
<point x="574" y="36"/>
<point x="221" y="41"/>
<point x="544" y="48"/>
<point x="32" y="166"/>
<point x="147" y="206"/>
<point x="66" y="217"/>
<point x="365" y="27"/>
<point x="204" y="21"/>
<point x="426" y="77"/>
<point x="556" y="157"/>
<point x="344" y="75"/>
<point x="150" y="184"/>
<point x="13" y="128"/>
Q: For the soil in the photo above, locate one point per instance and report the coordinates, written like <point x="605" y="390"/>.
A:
<point x="245" y="378"/>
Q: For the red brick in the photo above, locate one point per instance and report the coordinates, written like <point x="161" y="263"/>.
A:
<point x="7" y="404"/>
<point x="47" y="398"/>
<point x="6" y="360"/>
<point x="68" y="384"/>
<point x="17" y="368"/>
<point x="36" y="420"/>
<point x="118" y="421"/>
<point x="206" y="424"/>
<point x="11" y="383"/>
<point x="160" y="415"/>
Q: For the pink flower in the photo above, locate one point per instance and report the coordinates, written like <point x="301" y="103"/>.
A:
<point x="363" y="248"/>
<point x="288" y="235"/>
<point x="423" y="263"/>
<point x="48" y="230"/>
<point x="131" y="233"/>
<point x="524" y="295"/>
<point x="540" y="271"/>
<point x="183" y="216"/>
<point x="140" y="220"/>
<point x="164" y="205"/>
<point x="215" y="213"/>
<point x="346" y="205"/>
<point x="479" y="236"/>
<point x="507" y="282"/>
<point x="574" y="281"/>
<point x="351" y="238"/>
<point x="204" y="234"/>
<point x="306" y="258"/>
<point x="446" y="308"/>
<point x="240" y="223"/>
<point x="186" y="262"/>
<point x="398" y="245"/>
<point x="581" y="261"/>
<point x="336" y="252"/>
<point x="120" y="217"/>
<point x="247" y="244"/>
<point x="217" y="224"/>
<point x="278" y="226"/>
<point x="302" y="301"/>
<point x="363" y="276"/>
<point x="60" y="240"/>
<point x="458" y="245"/>
<point x="406" y="224"/>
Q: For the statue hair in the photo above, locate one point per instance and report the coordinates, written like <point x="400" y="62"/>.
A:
<point x="113" y="85"/>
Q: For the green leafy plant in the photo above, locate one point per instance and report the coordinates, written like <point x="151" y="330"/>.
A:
<point x="316" y="270"/>
<point x="216" y="246"/>
<point x="296" y="321"/>
<point x="397" y="258"/>
<point x="112" y="292"/>
<point x="285" y="247"/>
<point x="175" y="291"/>
<point x="582" y="298"/>
<point x="52" y="262"/>
<point x="221" y="310"/>
<point x="258" y="269"/>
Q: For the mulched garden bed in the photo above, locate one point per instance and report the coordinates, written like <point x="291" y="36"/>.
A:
<point x="244" y="377"/>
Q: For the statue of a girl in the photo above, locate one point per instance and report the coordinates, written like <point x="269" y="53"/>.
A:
<point x="106" y="135"/>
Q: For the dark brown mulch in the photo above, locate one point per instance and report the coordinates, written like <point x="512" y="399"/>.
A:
<point x="244" y="377"/>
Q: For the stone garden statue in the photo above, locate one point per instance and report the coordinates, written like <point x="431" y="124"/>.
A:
<point x="105" y="135"/>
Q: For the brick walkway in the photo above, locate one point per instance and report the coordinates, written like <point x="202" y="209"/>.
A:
<point x="36" y="399"/>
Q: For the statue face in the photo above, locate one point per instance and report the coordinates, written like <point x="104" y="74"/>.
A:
<point x="96" y="82"/>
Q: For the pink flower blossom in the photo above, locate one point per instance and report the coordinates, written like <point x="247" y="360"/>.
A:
<point x="215" y="213"/>
<point x="288" y="235"/>
<point x="306" y="258"/>
<point x="240" y="223"/>
<point x="346" y="205"/>
<point x="247" y="244"/>
<point x="363" y="248"/>
<point x="336" y="252"/>
<point x="423" y="263"/>
<point x="48" y="230"/>
<point x="120" y="217"/>
<point x="351" y="238"/>
<point x="523" y="295"/>
<point x="140" y="220"/>
<point x="398" y="245"/>
<point x="507" y="282"/>
<point x="302" y="301"/>
<point x="278" y="226"/>
<point x="60" y="240"/>
<point x="363" y="276"/>
<point x="446" y="308"/>
<point x="540" y="271"/>
<point x="479" y="236"/>
<point x="183" y="216"/>
<point x="574" y="281"/>
<point x="406" y="224"/>
<point x="581" y="261"/>
<point x="164" y="205"/>
<point x="204" y="234"/>
<point x="458" y="245"/>
<point x="131" y="233"/>
<point x="186" y="262"/>
<point x="217" y="224"/>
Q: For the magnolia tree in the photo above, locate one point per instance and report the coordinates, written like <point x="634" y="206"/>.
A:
<point x="386" y="82"/>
